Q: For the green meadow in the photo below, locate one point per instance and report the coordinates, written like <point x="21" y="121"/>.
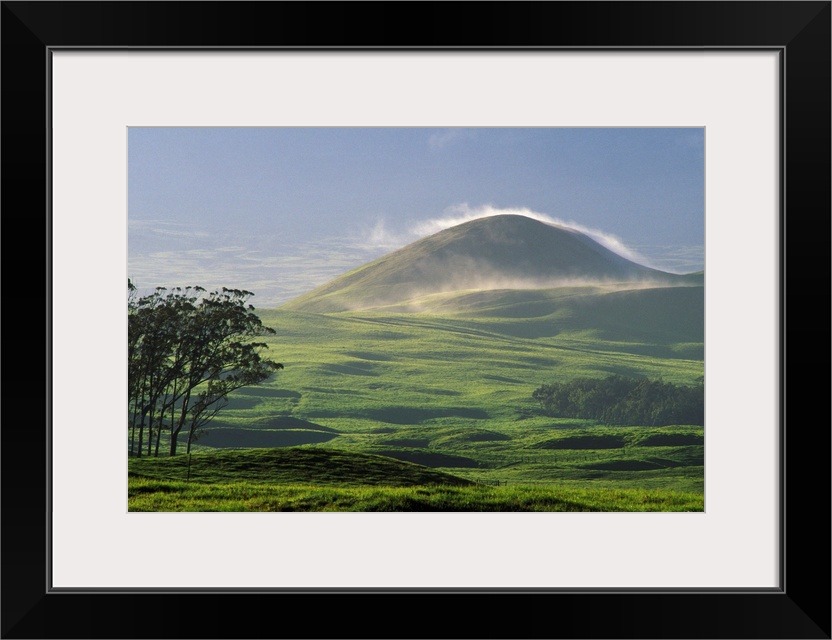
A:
<point x="430" y="408"/>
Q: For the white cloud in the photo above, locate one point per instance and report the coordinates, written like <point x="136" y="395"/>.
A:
<point x="380" y="237"/>
<point x="460" y="213"/>
<point x="444" y="137"/>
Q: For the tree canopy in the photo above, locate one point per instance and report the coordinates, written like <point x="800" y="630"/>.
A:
<point x="624" y="401"/>
<point x="187" y="350"/>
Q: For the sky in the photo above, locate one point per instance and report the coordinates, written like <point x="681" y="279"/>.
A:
<point x="279" y="211"/>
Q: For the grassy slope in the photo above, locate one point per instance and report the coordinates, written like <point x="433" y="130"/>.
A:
<point x="290" y="466"/>
<point x="453" y="391"/>
<point x="302" y="479"/>
<point x="477" y="254"/>
<point x="156" y="495"/>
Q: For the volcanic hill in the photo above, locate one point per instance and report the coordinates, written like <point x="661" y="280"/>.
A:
<point x="504" y="252"/>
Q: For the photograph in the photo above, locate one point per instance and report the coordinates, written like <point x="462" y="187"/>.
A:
<point x="416" y="319"/>
<point x="417" y="314"/>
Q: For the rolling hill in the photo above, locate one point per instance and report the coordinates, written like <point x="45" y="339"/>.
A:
<point x="293" y="465"/>
<point x="499" y="253"/>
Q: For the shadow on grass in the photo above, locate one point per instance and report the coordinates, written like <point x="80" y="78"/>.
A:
<point x="407" y="442"/>
<point x="671" y="439"/>
<point x="584" y="442"/>
<point x="415" y="415"/>
<point x="262" y="438"/>
<point x="430" y="459"/>
<point x="353" y="369"/>
<point x="262" y="392"/>
<point x="288" y="422"/>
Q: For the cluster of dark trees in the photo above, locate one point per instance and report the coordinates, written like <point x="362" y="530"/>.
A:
<point x="617" y="400"/>
<point x="187" y="350"/>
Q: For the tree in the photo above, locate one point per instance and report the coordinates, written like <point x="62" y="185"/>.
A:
<point x="186" y="352"/>
<point x="620" y="400"/>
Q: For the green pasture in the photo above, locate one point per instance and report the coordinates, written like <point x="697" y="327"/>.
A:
<point x="451" y="394"/>
<point x="308" y="479"/>
<point x="156" y="495"/>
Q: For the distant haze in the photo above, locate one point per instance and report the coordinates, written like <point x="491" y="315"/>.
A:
<point x="280" y="211"/>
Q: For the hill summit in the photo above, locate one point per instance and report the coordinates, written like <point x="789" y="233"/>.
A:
<point x="497" y="252"/>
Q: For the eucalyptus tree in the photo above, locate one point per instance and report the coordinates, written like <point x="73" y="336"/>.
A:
<point x="155" y="338"/>
<point x="186" y="352"/>
<point x="219" y="357"/>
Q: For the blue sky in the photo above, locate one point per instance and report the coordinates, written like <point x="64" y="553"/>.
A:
<point x="279" y="211"/>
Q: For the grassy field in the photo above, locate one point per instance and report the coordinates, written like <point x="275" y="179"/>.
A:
<point x="156" y="495"/>
<point x="449" y="391"/>
<point x="306" y="479"/>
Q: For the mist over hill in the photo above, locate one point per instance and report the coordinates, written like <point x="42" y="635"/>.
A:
<point x="503" y="252"/>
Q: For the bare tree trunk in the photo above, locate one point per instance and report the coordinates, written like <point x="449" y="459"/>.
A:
<point x="186" y="399"/>
<point x="161" y="423"/>
<point x="137" y="407"/>
<point x="141" y="430"/>
<point x="139" y="440"/>
<point x="150" y="434"/>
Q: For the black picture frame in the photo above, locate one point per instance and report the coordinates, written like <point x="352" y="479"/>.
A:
<point x="799" y="608"/>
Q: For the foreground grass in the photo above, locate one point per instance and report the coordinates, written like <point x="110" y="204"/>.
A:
<point x="159" y="495"/>
<point x="557" y="461"/>
<point x="290" y="466"/>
